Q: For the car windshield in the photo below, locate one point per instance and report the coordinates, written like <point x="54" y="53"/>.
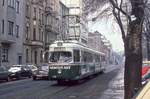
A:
<point x="60" y="57"/>
<point x="43" y="68"/>
<point x="16" y="67"/>
<point x="146" y="64"/>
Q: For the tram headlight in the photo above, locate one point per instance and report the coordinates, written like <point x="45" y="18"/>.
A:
<point x="59" y="71"/>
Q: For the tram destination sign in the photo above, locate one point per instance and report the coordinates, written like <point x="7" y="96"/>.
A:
<point x="59" y="67"/>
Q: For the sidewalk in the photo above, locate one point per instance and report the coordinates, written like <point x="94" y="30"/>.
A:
<point x="116" y="87"/>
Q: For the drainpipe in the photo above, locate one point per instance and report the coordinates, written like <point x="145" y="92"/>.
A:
<point x="0" y="54"/>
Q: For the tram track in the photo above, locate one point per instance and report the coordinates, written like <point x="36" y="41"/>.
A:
<point x="29" y="89"/>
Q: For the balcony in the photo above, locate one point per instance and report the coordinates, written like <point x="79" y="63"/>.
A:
<point x="48" y="27"/>
<point x="48" y="10"/>
<point x="34" y="43"/>
<point x="9" y="39"/>
<point x="56" y="30"/>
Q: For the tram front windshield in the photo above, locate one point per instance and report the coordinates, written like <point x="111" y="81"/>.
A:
<point x="60" y="57"/>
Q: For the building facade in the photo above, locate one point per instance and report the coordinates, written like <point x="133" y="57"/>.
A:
<point x="28" y="27"/>
<point x="52" y="21"/>
<point x="11" y="32"/>
<point x="63" y="21"/>
<point x="98" y="42"/>
<point x="34" y="29"/>
<point x="77" y="20"/>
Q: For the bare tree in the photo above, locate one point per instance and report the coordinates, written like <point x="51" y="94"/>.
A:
<point x="133" y="11"/>
<point x="132" y="42"/>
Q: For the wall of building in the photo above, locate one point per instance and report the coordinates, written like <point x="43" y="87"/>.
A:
<point x="34" y="32"/>
<point x="63" y="21"/>
<point x="52" y="21"/>
<point x="11" y="39"/>
<point x="77" y="20"/>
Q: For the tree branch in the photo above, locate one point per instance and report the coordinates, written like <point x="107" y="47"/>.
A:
<point x="120" y="23"/>
<point x="119" y="8"/>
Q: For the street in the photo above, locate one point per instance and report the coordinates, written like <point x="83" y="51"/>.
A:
<point x="94" y="88"/>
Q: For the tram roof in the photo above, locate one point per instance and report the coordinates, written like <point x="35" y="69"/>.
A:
<point x="73" y="44"/>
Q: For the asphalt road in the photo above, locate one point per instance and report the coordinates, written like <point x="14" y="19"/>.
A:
<point x="28" y="89"/>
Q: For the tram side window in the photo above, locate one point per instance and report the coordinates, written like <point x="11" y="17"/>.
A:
<point x="97" y="58"/>
<point x="103" y="58"/>
<point x="76" y="55"/>
<point x="84" y="56"/>
<point x="89" y="57"/>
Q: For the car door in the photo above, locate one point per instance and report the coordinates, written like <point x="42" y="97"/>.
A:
<point x="3" y="73"/>
<point x="23" y="71"/>
<point x="27" y="71"/>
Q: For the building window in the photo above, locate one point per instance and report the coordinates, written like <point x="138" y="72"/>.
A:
<point x="27" y="55"/>
<point x="5" y="55"/>
<point x="3" y="27"/>
<point x="17" y="31"/>
<point x="27" y="32"/>
<point x="34" y="13"/>
<point x="17" y="6"/>
<point x="34" y="33"/>
<point x="3" y="2"/>
<point x="41" y="56"/>
<point x="10" y="27"/>
<point x="19" y="59"/>
<point x="40" y="16"/>
<point x="27" y="11"/>
<point x="35" y="57"/>
<point x="40" y="35"/>
<point x="11" y="3"/>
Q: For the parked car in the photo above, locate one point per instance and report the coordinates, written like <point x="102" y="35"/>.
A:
<point x="18" y="71"/>
<point x="145" y="67"/>
<point x="42" y="72"/>
<point x="4" y="74"/>
<point x="145" y="71"/>
<point x="33" y="68"/>
<point x="144" y="93"/>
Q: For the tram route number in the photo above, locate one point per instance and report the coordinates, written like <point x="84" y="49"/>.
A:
<point x="59" y="67"/>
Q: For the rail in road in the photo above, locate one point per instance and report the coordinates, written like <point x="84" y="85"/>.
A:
<point x="29" y="89"/>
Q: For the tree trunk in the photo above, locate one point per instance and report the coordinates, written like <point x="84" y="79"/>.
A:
<point x="133" y="50"/>
<point x="133" y="62"/>
<point x="148" y="48"/>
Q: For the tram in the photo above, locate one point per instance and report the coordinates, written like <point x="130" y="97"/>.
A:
<point x="72" y="61"/>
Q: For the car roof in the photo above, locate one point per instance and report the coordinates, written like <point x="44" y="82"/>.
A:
<point x="19" y="65"/>
<point x="145" y="92"/>
<point x="146" y="62"/>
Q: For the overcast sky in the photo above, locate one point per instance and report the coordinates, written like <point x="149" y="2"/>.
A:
<point x="110" y="30"/>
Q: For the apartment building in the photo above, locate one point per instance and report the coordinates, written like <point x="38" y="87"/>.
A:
<point x="34" y="29"/>
<point x="52" y="21"/>
<point x="77" y="20"/>
<point x="28" y="27"/>
<point x="63" y="21"/>
<point x="98" y="42"/>
<point x="11" y="32"/>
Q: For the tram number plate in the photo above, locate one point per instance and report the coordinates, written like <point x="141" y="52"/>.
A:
<point x="59" y="67"/>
